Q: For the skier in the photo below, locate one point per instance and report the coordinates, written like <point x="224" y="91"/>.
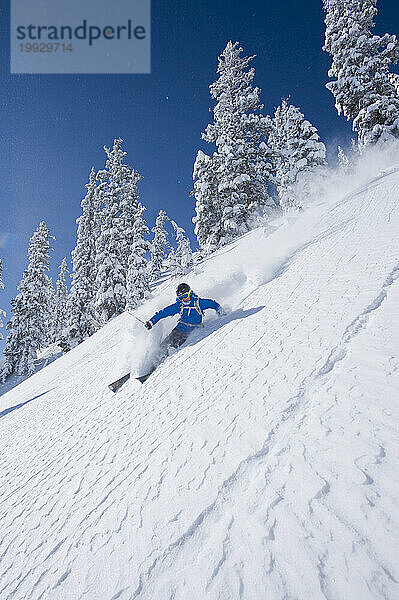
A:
<point x="191" y="309"/>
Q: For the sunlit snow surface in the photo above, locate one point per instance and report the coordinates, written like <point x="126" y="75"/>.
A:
<point x="259" y="462"/>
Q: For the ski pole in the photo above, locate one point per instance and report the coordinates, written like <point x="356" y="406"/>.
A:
<point x="134" y="316"/>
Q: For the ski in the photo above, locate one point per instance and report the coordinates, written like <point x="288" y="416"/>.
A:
<point x="144" y="378"/>
<point x="116" y="385"/>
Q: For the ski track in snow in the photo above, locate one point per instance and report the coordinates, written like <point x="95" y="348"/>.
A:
<point x="258" y="462"/>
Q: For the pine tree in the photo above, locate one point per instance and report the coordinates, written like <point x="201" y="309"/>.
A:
<point x="393" y="79"/>
<point x="181" y="259"/>
<point x="29" y="325"/>
<point x="110" y="265"/>
<point x="138" y="286"/>
<point x="171" y="262"/>
<point x="360" y="66"/>
<point x="51" y="304"/>
<point x="130" y="209"/>
<point x="343" y="161"/>
<point x="61" y="302"/>
<point x="2" y="312"/>
<point x="297" y="150"/>
<point x="118" y="194"/>
<point x="158" y="246"/>
<point x="81" y="321"/>
<point x="235" y="188"/>
<point x="208" y="220"/>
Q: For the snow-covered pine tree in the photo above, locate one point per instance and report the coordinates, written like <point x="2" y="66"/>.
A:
<point x="2" y="312"/>
<point x="61" y="301"/>
<point x="171" y="261"/>
<point x="118" y="194"/>
<point x="29" y="324"/>
<point x="360" y="66"/>
<point x="51" y="304"/>
<point x="343" y="161"/>
<point x="208" y="208"/>
<point x="158" y="246"/>
<point x="130" y="209"/>
<point x="110" y="265"/>
<point x="393" y="79"/>
<point x="297" y="150"/>
<point x="236" y="187"/>
<point x="138" y="285"/>
<point x="81" y="322"/>
<point x="181" y="259"/>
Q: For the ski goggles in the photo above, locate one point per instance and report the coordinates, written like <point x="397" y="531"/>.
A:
<point x="186" y="296"/>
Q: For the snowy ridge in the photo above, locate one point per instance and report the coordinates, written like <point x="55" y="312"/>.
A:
<point x="258" y="462"/>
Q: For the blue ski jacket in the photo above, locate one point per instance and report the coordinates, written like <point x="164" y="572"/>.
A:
<point x="191" y="313"/>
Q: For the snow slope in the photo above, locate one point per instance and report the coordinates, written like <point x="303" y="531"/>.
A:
<point x="258" y="462"/>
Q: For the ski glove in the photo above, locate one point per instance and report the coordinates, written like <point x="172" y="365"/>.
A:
<point x="148" y="324"/>
<point x="222" y="312"/>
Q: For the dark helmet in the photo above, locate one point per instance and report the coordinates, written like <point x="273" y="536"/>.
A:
<point x="182" y="289"/>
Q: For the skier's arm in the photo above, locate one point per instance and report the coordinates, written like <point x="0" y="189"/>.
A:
<point x="208" y="303"/>
<point x="168" y="311"/>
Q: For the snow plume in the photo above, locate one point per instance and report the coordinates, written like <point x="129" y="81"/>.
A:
<point x="325" y="185"/>
<point x="134" y="338"/>
<point x="140" y="348"/>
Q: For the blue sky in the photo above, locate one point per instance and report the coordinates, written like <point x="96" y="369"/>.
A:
<point x="53" y="127"/>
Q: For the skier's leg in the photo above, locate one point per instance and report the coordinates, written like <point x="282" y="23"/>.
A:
<point x="179" y="337"/>
<point x="175" y="339"/>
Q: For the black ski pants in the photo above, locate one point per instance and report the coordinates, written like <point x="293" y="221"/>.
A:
<point x="175" y="339"/>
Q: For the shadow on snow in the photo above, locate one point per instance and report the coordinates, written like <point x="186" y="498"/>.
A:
<point x="215" y="324"/>
<point x="17" y="406"/>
